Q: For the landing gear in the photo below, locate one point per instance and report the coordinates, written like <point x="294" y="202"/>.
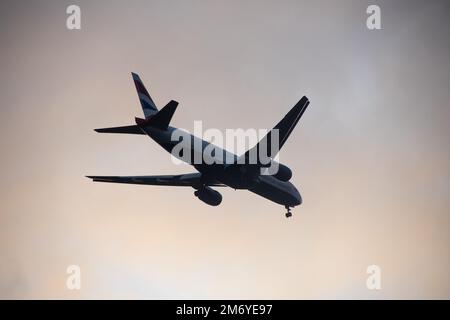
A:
<point x="288" y="213"/>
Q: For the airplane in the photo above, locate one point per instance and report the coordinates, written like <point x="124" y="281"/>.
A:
<point x="235" y="174"/>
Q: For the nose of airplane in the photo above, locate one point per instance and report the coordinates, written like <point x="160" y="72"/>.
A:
<point x="296" y="197"/>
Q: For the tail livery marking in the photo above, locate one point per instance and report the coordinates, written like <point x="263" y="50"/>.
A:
<point x="148" y="106"/>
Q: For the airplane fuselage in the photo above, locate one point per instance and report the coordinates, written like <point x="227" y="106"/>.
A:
<point x="217" y="167"/>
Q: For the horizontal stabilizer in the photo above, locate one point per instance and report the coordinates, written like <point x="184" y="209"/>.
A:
<point x="134" y="129"/>
<point x="161" y="119"/>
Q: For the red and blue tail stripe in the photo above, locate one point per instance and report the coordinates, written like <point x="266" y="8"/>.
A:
<point x="148" y="106"/>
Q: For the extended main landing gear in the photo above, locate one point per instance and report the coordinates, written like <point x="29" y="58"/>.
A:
<point x="288" y="213"/>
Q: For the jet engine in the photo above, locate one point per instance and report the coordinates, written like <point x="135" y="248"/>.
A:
<point x="209" y="196"/>
<point x="284" y="173"/>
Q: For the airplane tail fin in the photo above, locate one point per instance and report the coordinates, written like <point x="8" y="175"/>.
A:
<point x="154" y="118"/>
<point x="148" y="106"/>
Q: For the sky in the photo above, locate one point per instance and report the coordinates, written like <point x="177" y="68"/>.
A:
<point x="370" y="155"/>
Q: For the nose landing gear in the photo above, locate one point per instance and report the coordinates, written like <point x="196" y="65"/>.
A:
<point x="288" y="213"/>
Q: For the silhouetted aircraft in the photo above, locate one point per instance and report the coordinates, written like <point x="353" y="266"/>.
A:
<point x="239" y="173"/>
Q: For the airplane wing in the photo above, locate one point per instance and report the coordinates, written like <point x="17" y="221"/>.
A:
<point x="181" y="180"/>
<point x="284" y="129"/>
